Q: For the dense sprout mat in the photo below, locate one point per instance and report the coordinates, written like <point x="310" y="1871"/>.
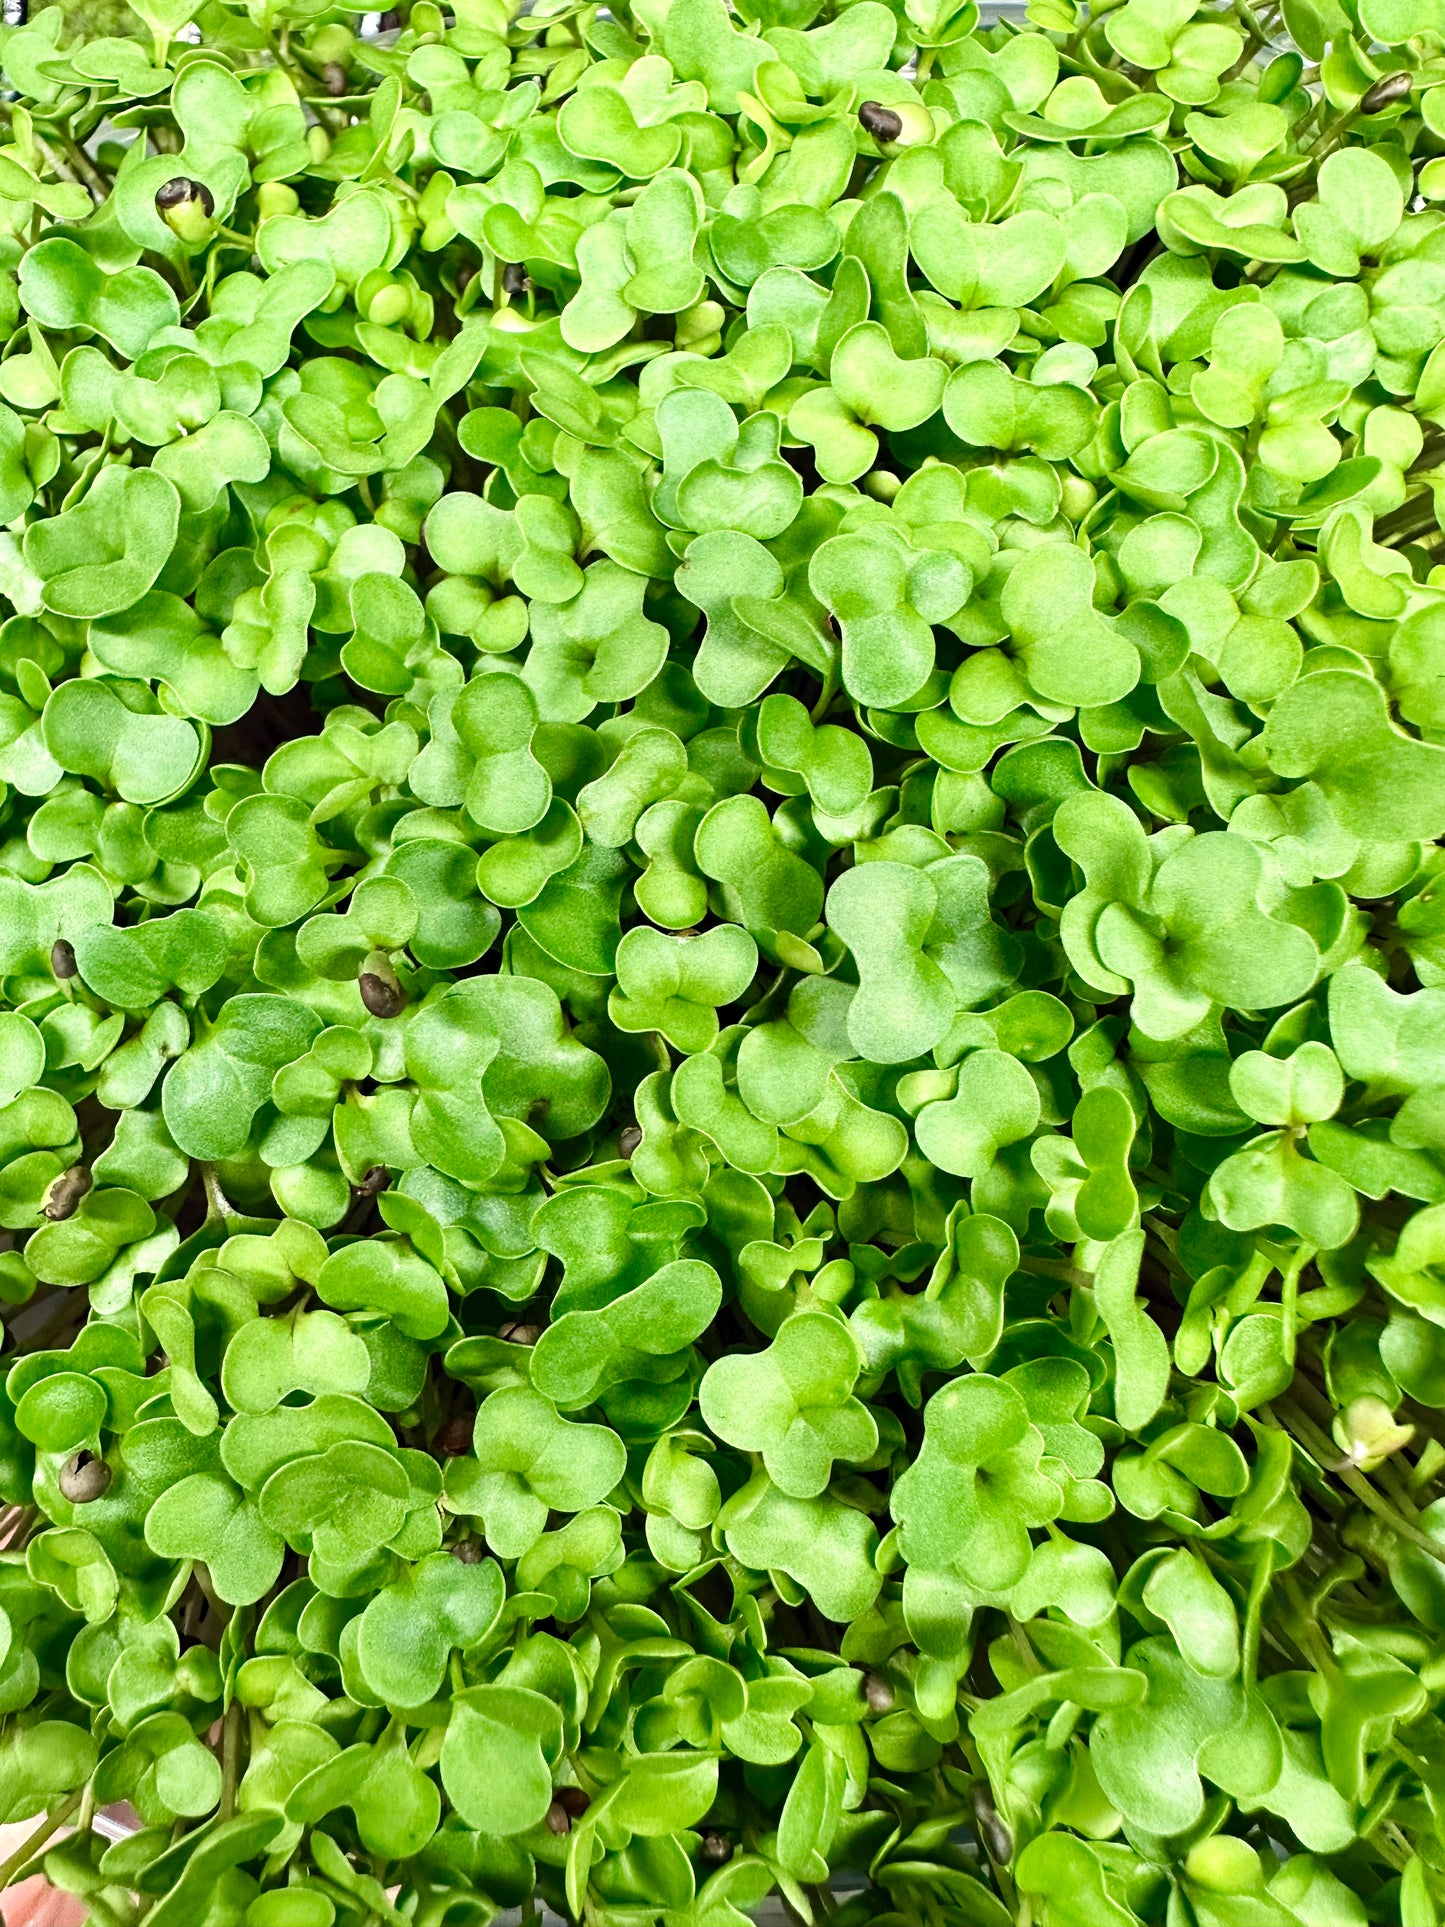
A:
<point x="722" y="1078"/>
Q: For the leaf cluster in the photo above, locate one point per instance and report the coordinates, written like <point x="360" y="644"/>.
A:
<point x="722" y="988"/>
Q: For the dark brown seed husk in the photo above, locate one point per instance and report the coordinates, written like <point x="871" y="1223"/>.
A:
<point x="993" y="1832"/>
<point x="65" y="1193"/>
<point x="881" y="122"/>
<point x="878" y="1693"/>
<point x="1385" y="93"/>
<point x="84" y="1479"/>
<point x="381" y="998"/>
<point x="180" y="189"/>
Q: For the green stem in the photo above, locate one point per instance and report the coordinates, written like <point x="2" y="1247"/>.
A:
<point x="1247" y="19"/>
<point x="230" y="1758"/>
<point x="51" y="159"/>
<point x="85" y="167"/>
<point x="1325" y="1455"/>
<point x="303" y="82"/>
<point x="1289" y="1298"/>
<point x="218" y="1205"/>
<point x="1059" y="1268"/>
<point x="830" y="690"/>
<point x="1312" y="1643"/>
<point x="1334" y="128"/>
<point x="90" y="466"/>
<point x="31" y="1845"/>
<point x="403" y="187"/>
